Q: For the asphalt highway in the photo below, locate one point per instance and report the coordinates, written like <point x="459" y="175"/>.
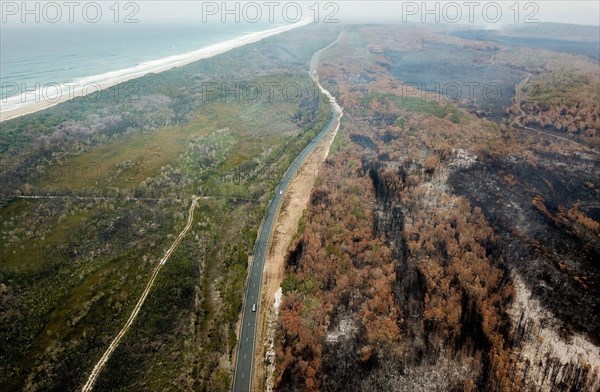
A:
<point x="245" y="353"/>
<point x="242" y="379"/>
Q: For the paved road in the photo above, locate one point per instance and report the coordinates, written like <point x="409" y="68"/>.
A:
<point x="242" y="380"/>
<point x="245" y="352"/>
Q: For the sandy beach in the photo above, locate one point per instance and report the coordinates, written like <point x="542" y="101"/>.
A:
<point x="19" y="105"/>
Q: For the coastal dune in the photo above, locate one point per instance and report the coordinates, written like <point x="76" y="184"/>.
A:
<point x="48" y="96"/>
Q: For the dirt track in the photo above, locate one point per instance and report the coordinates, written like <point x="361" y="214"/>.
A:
<point x="115" y="343"/>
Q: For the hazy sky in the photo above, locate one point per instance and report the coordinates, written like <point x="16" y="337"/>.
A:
<point x="480" y="13"/>
<point x="578" y="12"/>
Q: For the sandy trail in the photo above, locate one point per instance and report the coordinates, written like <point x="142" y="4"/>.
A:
<point x="517" y="122"/>
<point x="113" y="345"/>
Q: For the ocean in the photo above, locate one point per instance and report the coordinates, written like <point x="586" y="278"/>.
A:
<point x="31" y="58"/>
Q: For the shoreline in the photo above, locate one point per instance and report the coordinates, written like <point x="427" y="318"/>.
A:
<point x="68" y="91"/>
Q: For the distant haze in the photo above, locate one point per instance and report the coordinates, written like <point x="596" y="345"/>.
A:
<point x="576" y="12"/>
<point x="345" y="11"/>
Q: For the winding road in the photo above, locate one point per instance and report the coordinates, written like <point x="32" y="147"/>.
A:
<point x="517" y="122"/>
<point x="242" y="380"/>
<point x="113" y="345"/>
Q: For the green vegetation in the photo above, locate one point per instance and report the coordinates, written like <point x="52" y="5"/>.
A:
<point x="423" y="105"/>
<point x="73" y="267"/>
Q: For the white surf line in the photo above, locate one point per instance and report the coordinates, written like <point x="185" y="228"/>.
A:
<point x="17" y="105"/>
<point x="113" y="345"/>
